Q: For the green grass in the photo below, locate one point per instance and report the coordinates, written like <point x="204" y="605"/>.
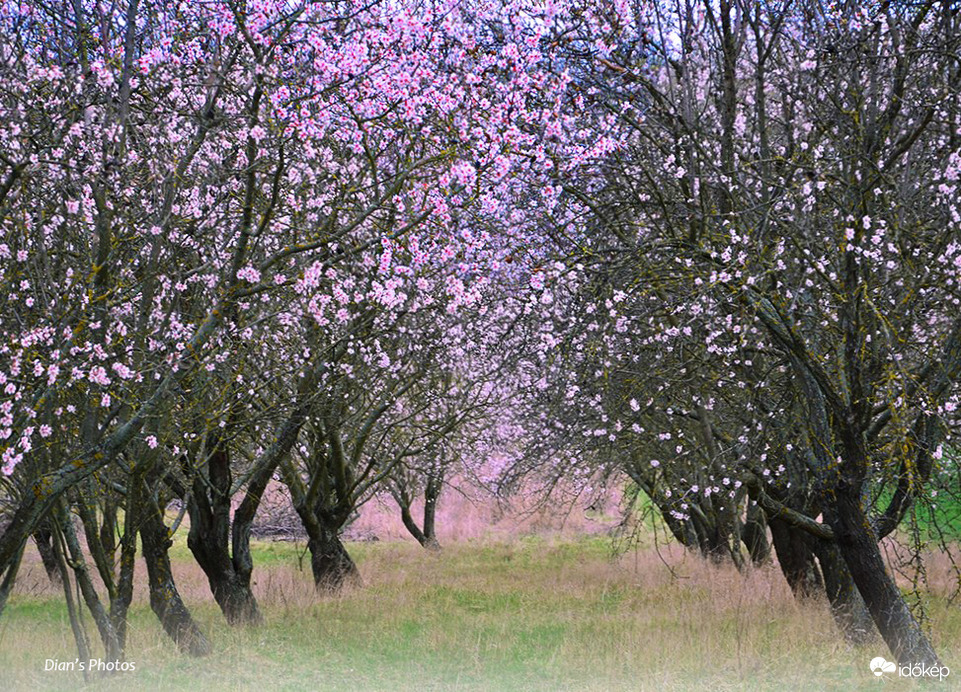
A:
<point x="942" y="521"/>
<point x="532" y="614"/>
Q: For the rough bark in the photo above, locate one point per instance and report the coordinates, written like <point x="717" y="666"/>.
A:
<point x="210" y="534"/>
<point x="43" y="537"/>
<point x="330" y="563"/>
<point x="209" y="541"/>
<point x="848" y="608"/>
<point x="891" y="614"/>
<point x="164" y="598"/>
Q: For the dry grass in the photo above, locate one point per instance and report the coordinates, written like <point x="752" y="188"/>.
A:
<point x="529" y="614"/>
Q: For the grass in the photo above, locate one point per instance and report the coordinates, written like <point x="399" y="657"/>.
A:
<point x="935" y="519"/>
<point x="530" y="614"/>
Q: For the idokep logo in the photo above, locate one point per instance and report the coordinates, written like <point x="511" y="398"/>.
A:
<point x="881" y="667"/>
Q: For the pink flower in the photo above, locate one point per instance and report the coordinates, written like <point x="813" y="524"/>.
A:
<point x="249" y="274"/>
<point x="98" y="375"/>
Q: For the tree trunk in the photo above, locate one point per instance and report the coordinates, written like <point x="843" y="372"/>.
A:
<point x="711" y="540"/>
<point x="890" y="612"/>
<point x="754" y="535"/>
<point x="683" y="531"/>
<point x="43" y="537"/>
<point x="164" y="598"/>
<point x="332" y="566"/>
<point x="120" y="602"/>
<point x="423" y="537"/>
<point x="411" y="525"/>
<point x="848" y="608"/>
<point x="209" y="541"/>
<point x="796" y="559"/>
<point x="76" y="623"/>
<point x="113" y="647"/>
<point x="236" y="600"/>
<point x="231" y="589"/>
<point x="431" y="495"/>
<point x="10" y="577"/>
<point x="229" y="573"/>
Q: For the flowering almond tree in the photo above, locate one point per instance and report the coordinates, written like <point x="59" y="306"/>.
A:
<point x="179" y="187"/>
<point x="782" y="219"/>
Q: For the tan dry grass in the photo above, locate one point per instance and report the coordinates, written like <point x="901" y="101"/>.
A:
<point x="537" y="614"/>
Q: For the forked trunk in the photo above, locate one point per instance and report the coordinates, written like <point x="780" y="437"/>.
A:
<point x="229" y="585"/>
<point x="211" y="537"/>
<point x="426" y="536"/>
<point x="236" y="600"/>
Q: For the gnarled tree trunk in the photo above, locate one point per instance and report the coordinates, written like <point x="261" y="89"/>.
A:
<point x="330" y="563"/>
<point x="209" y="541"/>
<point x="164" y="598"/>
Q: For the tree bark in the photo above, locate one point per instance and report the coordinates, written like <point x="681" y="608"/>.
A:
<point x="431" y="496"/>
<point x="10" y="577"/>
<point x="76" y="623"/>
<point x="424" y="536"/>
<point x="120" y="602"/>
<point x="796" y="559"/>
<point x="230" y="587"/>
<point x="331" y="564"/>
<point x="209" y="541"/>
<point x="43" y="537"/>
<point x="848" y="608"/>
<point x="412" y="528"/>
<point x="859" y="548"/>
<point x="754" y="535"/>
<point x="164" y="598"/>
<point x="113" y="646"/>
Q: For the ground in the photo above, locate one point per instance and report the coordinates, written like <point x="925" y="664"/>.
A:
<point x="531" y="613"/>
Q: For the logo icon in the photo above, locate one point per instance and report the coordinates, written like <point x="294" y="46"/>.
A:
<point x="879" y="666"/>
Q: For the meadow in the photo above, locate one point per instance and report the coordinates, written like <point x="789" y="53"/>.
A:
<point x="529" y="613"/>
